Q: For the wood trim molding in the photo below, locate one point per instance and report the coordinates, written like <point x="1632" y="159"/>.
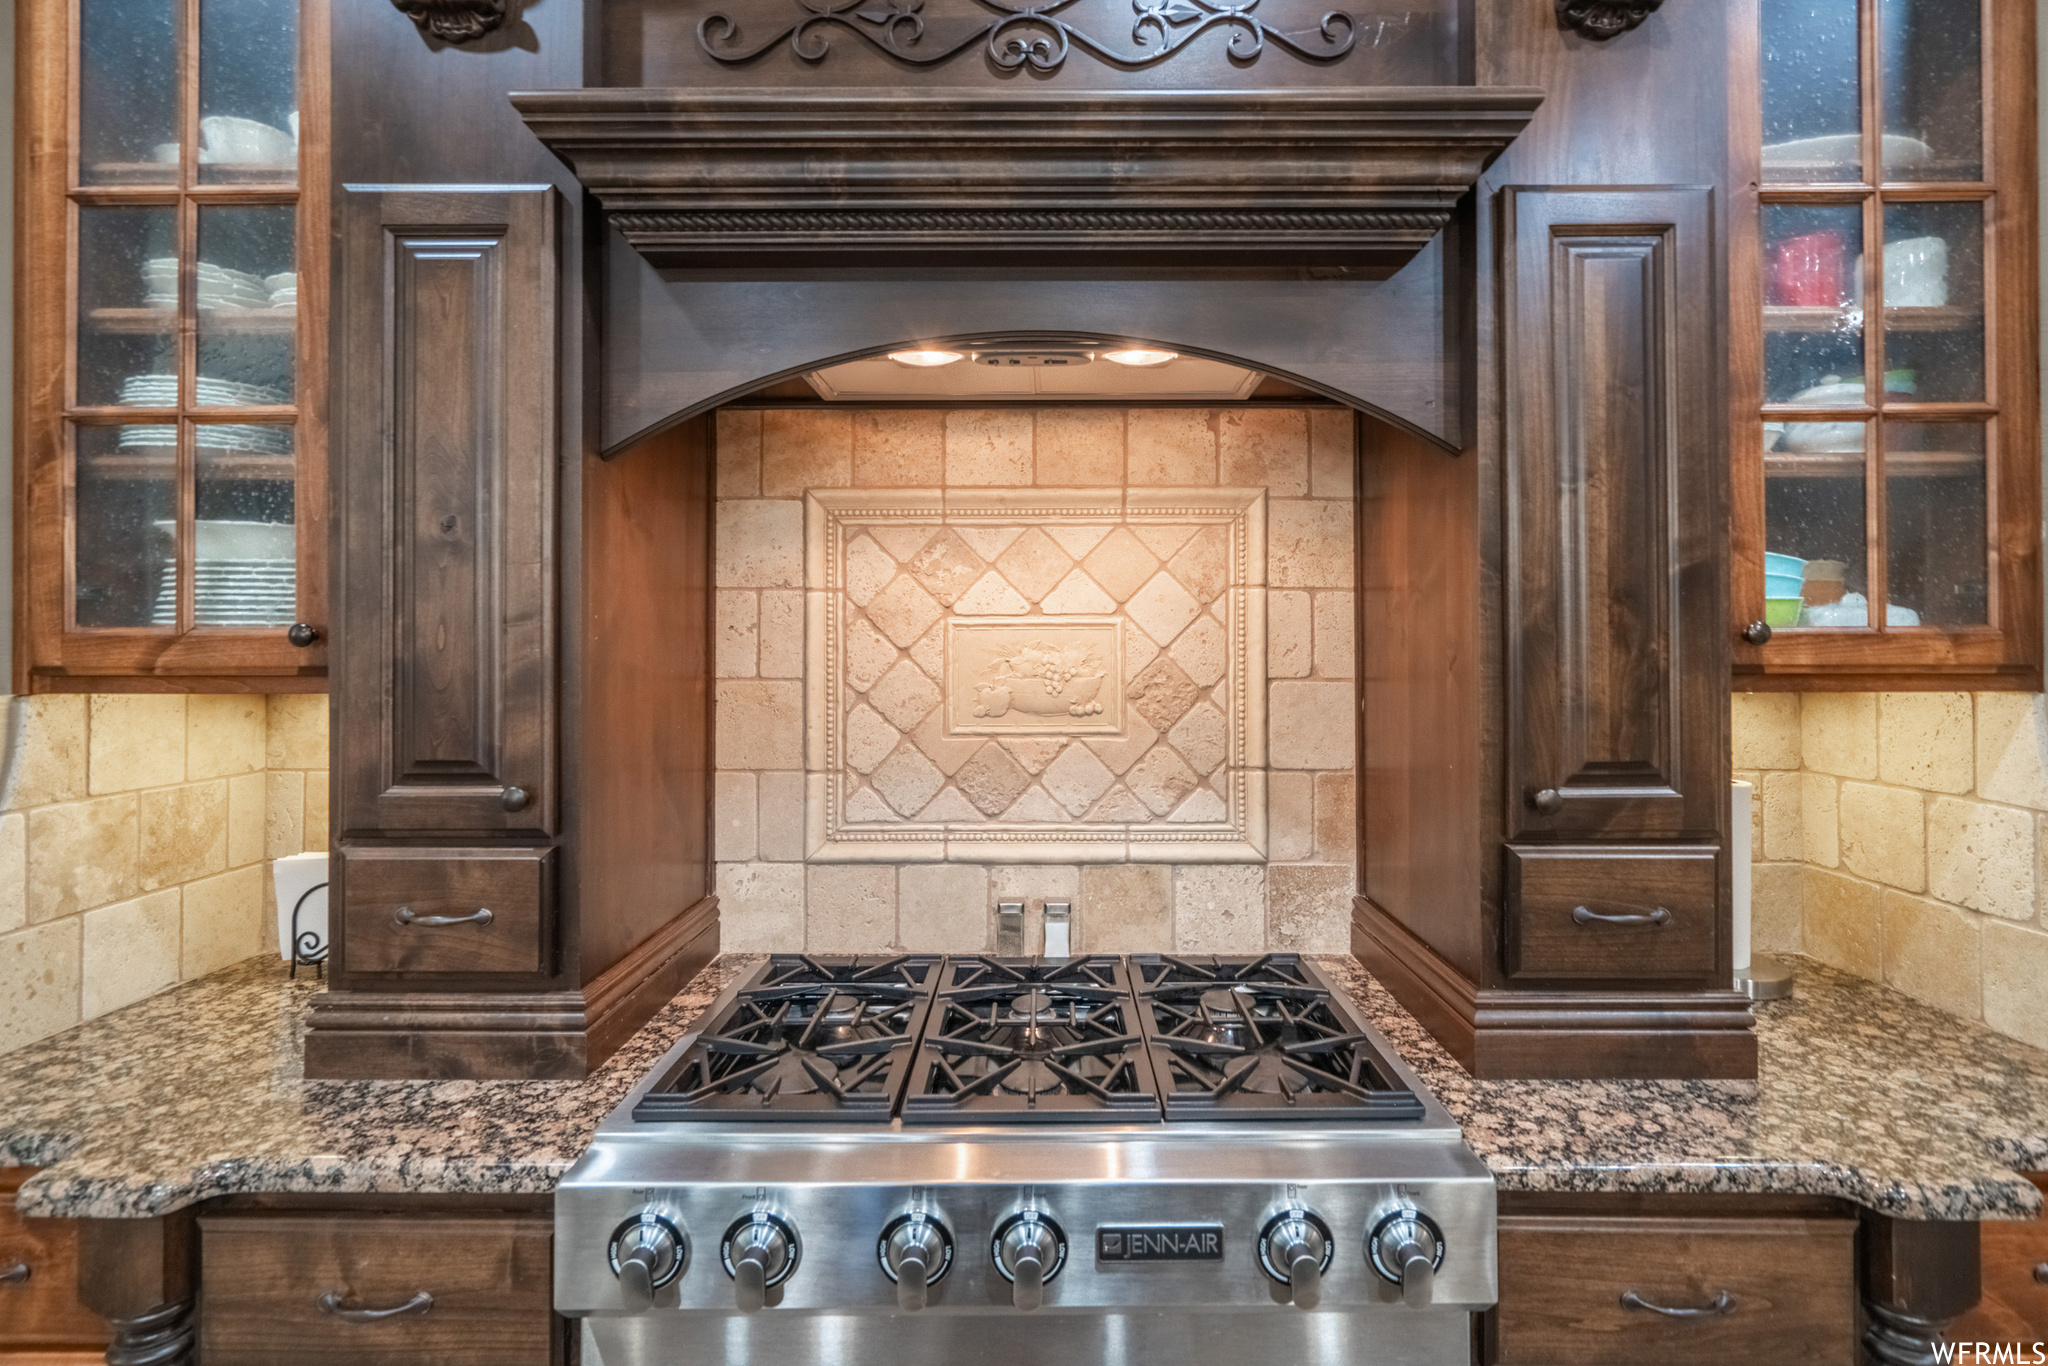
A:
<point x="548" y="1035"/>
<point x="1497" y="1034"/>
<point x="1364" y="178"/>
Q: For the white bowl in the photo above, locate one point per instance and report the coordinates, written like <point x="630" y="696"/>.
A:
<point x="225" y="138"/>
<point x="215" y="540"/>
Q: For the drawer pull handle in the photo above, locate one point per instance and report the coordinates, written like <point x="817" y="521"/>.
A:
<point x="14" y="1273"/>
<point x="334" y="1303"/>
<point x="406" y="915"/>
<point x="2041" y="1274"/>
<point x="1655" y="916"/>
<point x="1723" y="1303"/>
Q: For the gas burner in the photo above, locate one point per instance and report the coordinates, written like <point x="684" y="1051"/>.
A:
<point x="804" y="1039"/>
<point x="1029" y="1040"/>
<point x="1261" y="1038"/>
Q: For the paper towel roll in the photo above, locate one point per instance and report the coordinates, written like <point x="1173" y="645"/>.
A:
<point x="294" y="876"/>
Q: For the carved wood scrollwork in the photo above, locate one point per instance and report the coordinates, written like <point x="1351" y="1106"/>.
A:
<point x="1604" y="19"/>
<point x="454" y="21"/>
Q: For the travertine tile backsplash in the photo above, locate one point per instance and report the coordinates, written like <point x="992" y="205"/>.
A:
<point x="1207" y="806"/>
<point x="136" y="839"/>
<point x="1901" y="836"/>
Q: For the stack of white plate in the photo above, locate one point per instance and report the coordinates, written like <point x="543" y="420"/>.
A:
<point x="284" y="289"/>
<point x="246" y="575"/>
<point x="219" y="287"/>
<point x="232" y="593"/>
<point x="161" y="391"/>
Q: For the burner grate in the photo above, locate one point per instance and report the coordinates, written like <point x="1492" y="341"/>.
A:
<point x="1032" y="1041"/>
<point x="1261" y="1038"/>
<point x="805" y="1039"/>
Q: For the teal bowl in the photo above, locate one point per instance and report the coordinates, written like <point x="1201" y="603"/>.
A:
<point x="1783" y="564"/>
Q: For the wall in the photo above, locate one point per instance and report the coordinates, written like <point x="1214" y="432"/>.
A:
<point x="135" y="844"/>
<point x="775" y="897"/>
<point x="1901" y="836"/>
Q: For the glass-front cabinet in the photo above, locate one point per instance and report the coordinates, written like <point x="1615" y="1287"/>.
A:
<point x="1886" y="445"/>
<point x="171" y="438"/>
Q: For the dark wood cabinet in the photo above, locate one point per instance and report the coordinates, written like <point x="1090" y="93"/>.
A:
<point x="1609" y="355"/>
<point x="41" y="1317"/>
<point x="377" y="1289"/>
<point x="1885" y="410"/>
<point x="170" y="343"/>
<point x="1543" y="875"/>
<point x="1695" y="1291"/>
<point x="446" y="446"/>
<point x="507" y="909"/>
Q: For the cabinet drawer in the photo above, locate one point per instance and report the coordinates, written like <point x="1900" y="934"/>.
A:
<point x="2015" y="1303"/>
<point x="1612" y="913"/>
<point x="1790" y="1286"/>
<point x="43" y="1310"/>
<point x="263" y="1277"/>
<point x="447" y="910"/>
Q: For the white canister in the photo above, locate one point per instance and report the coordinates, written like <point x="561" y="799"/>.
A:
<point x="1738" y="858"/>
<point x="301" y="882"/>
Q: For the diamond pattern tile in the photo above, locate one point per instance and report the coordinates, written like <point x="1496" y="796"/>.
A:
<point x="905" y="696"/>
<point x="1121" y="564"/>
<point x="1033" y="564"/>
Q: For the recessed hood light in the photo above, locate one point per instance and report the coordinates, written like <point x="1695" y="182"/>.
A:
<point x="926" y="359"/>
<point x="1139" y="355"/>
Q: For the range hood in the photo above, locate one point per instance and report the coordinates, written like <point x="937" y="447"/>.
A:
<point x="1361" y="179"/>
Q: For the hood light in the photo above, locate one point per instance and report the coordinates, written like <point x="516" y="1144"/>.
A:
<point x="1139" y="355"/>
<point x="926" y="359"/>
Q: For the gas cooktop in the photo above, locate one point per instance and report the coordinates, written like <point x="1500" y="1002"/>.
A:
<point x="880" y="1161"/>
<point x="983" y="1040"/>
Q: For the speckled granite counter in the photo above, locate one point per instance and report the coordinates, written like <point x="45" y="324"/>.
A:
<point x="195" y="1093"/>
<point x="1861" y="1093"/>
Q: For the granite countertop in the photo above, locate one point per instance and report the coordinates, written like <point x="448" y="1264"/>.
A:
<point x="1861" y="1093"/>
<point x="1864" y="1094"/>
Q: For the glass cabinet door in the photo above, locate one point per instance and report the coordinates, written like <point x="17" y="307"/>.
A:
<point x="189" y="425"/>
<point x="1878" y="198"/>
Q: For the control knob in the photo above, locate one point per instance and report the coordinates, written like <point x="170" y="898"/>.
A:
<point x="916" y="1251"/>
<point x="648" y="1251"/>
<point x="760" y="1252"/>
<point x="1029" y="1250"/>
<point x="1406" y="1248"/>
<point x="1295" y="1249"/>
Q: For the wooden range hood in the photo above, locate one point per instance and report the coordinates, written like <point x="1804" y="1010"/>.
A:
<point x="1359" y="179"/>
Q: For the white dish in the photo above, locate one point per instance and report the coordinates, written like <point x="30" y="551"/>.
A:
<point x="1845" y="150"/>
<point x="227" y="139"/>
<point x="234" y="545"/>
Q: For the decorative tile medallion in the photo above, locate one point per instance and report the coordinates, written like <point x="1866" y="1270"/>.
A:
<point x="1035" y="675"/>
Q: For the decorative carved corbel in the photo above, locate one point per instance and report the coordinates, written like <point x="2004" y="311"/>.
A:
<point x="1604" y="19"/>
<point x="454" y="21"/>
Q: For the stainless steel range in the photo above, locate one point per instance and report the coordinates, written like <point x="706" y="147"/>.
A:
<point x="1133" y="1160"/>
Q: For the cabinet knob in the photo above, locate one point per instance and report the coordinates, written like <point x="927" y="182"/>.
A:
<point x="1757" y="633"/>
<point x="1549" y="801"/>
<point x="302" y="635"/>
<point x="514" y="799"/>
<point x="14" y="1273"/>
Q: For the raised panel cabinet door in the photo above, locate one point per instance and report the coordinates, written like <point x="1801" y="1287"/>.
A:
<point x="445" y="429"/>
<point x="1616" y="514"/>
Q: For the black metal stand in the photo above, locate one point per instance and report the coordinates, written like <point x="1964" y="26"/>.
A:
<point x="307" y="946"/>
<point x="161" y="1337"/>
